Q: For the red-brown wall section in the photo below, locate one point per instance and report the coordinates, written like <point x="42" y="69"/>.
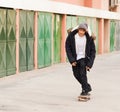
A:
<point x="88" y="3"/>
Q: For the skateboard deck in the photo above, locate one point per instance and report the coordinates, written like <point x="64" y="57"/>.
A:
<point x="83" y="98"/>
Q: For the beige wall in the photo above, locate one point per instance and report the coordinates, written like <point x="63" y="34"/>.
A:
<point x="101" y="4"/>
<point x="75" y="2"/>
<point x="105" y="4"/>
<point x="118" y="9"/>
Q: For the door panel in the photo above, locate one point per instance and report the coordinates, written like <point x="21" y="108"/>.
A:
<point x="117" y="43"/>
<point x="44" y="39"/>
<point x="30" y="41"/>
<point x="11" y="42"/>
<point x="112" y="35"/>
<point x="68" y="22"/>
<point x="74" y="21"/>
<point x="48" y="30"/>
<point x="2" y="42"/>
<point x="81" y="20"/>
<point x="57" y="38"/>
<point x="97" y="35"/>
<point x="22" y="42"/>
<point x="41" y="40"/>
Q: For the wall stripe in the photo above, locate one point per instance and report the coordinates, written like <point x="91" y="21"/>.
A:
<point x="17" y="41"/>
<point x="63" y="55"/>
<point x="101" y="36"/>
<point x="36" y="40"/>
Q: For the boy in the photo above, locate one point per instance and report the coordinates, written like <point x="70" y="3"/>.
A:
<point x="80" y="49"/>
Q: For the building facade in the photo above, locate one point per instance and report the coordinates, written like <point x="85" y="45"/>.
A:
<point x="33" y="33"/>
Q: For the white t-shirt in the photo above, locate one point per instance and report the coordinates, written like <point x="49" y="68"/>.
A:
<point x="80" y="43"/>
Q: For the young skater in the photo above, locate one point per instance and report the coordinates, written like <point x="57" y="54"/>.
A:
<point x="80" y="49"/>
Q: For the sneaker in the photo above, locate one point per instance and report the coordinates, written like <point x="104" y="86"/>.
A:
<point x="84" y="93"/>
<point x="89" y="89"/>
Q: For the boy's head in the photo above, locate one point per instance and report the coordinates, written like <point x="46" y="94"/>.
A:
<point x="82" y="28"/>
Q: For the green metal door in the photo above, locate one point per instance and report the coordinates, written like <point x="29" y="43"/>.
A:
<point x="30" y="40"/>
<point x="118" y="36"/>
<point x="117" y="33"/>
<point x="81" y="20"/>
<point x="41" y="40"/>
<point x="26" y="45"/>
<point x="2" y="42"/>
<point x="97" y="35"/>
<point x="68" y="26"/>
<point x="71" y="22"/>
<point x="112" y="35"/>
<point x="22" y="42"/>
<point x="48" y="35"/>
<point x="44" y="39"/>
<point x="11" y="42"/>
<point x="92" y="23"/>
<point x="57" y="38"/>
<point x="68" y="22"/>
<point x="74" y="21"/>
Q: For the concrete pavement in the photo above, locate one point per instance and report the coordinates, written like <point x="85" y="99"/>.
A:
<point x="54" y="89"/>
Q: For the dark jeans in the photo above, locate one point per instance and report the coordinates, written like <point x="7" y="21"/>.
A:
<point x="80" y="74"/>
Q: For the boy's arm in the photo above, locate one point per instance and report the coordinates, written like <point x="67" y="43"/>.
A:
<point x="92" y="54"/>
<point x="69" y="51"/>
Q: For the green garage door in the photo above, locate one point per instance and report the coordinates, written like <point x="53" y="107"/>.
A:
<point x="74" y="21"/>
<point x="26" y="40"/>
<point x="68" y="26"/>
<point x="81" y="20"/>
<point x="11" y="42"/>
<point x="44" y="39"/>
<point x="97" y="35"/>
<point x="68" y="22"/>
<point x="112" y="35"/>
<point x="22" y="42"/>
<point x="117" y="42"/>
<point x="48" y="34"/>
<point x="93" y="23"/>
<point x="57" y="38"/>
<point x="71" y="22"/>
<point x="41" y="40"/>
<point x="2" y="42"/>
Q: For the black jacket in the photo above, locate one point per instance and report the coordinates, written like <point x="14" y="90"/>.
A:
<point x="90" y="51"/>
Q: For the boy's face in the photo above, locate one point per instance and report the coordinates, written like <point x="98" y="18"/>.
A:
<point x="81" y="32"/>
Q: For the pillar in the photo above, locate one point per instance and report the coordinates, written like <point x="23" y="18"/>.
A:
<point x="17" y="41"/>
<point x="106" y="36"/>
<point x="101" y="36"/>
<point x="63" y="54"/>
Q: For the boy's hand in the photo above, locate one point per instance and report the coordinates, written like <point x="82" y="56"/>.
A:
<point x="74" y="64"/>
<point x="87" y="68"/>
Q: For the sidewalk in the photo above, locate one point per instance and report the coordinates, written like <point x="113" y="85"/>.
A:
<point x="54" y="89"/>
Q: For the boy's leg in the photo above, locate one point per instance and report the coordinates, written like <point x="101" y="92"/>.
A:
<point x="76" y="73"/>
<point x="80" y="73"/>
<point x="83" y="77"/>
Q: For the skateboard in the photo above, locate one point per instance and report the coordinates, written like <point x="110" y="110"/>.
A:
<point x="83" y="98"/>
